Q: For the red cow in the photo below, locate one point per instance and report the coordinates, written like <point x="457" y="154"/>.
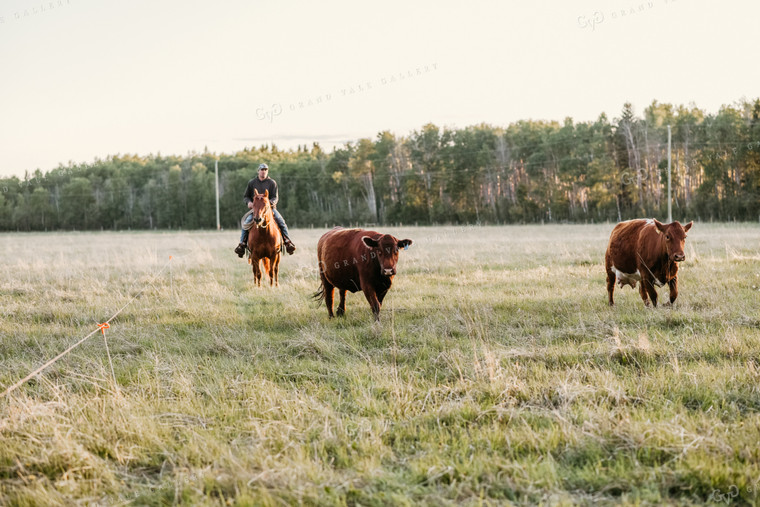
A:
<point x="647" y="251"/>
<point x="354" y="260"/>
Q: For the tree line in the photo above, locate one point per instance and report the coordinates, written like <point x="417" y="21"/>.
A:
<point x="527" y="172"/>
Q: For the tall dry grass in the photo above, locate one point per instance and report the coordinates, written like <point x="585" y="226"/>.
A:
<point x="497" y="374"/>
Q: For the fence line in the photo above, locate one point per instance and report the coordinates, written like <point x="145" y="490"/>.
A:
<point x="100" y="327"/>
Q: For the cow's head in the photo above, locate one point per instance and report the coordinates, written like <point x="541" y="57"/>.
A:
<point x="260" y="207"/>
<point x="386" y="249"/>
<point x="675" y="238"/>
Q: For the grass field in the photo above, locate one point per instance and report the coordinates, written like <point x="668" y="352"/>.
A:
<point x="498" y="374"/>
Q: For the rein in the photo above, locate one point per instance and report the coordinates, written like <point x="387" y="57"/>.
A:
<point x="667" y="271"/>
<point x="650" y="271"/>
<point x="265" y="221"/>
<point x="263" y="225"/>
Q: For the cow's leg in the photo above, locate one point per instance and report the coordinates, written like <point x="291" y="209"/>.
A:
<point x="329" y="294"/>
<point x="643" y="290"/>
<point x="651" y="291"/>
<point x="342" y="304"/>
<point x="256" y="272"/>
<point x="374" y="303"/>
<point x="610" y="285"/>
<point x="673" y="286"/>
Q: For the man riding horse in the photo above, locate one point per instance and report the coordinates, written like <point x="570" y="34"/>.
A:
<point x="263" y="183"/>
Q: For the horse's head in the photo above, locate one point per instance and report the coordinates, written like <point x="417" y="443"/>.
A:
<point x="262" y="211"/>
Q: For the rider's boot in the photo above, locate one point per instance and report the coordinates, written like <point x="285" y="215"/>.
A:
<point x="289" y="246"/>
<point x="240" y="249"/>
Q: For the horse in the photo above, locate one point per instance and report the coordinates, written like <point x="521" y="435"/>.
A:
<point x="264" y="240"/>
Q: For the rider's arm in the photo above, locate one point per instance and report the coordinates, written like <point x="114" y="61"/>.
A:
<point x="248" y="196"/>
<point x="273" y="197"/>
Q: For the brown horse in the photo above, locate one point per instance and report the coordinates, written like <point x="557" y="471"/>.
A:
<point x="264" y="240"/>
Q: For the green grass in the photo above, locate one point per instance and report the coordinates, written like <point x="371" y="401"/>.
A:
<point x="498" y="374"/>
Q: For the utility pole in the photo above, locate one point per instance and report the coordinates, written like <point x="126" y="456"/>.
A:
<point x="670" y="211"/>
<point x="216" y="177"/>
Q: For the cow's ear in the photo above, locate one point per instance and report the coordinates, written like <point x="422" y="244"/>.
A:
<point x="266" y="193"/>
<point x="404" y="243"/>
<point x="660" y="226"/>
<point x="255" y="192"/>
<point x="688" y="226"/>
<point x="372" y="243"/>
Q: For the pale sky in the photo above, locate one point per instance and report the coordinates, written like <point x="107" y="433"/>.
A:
<point x="83" y="78"/>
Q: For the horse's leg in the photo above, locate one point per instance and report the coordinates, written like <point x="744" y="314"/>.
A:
<point x="276" y="269"/>
<point x="269" y="264"/>
<point x="256" y="271"/>
<point x="250" y="242"/>
<point x="267" y="268"/>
